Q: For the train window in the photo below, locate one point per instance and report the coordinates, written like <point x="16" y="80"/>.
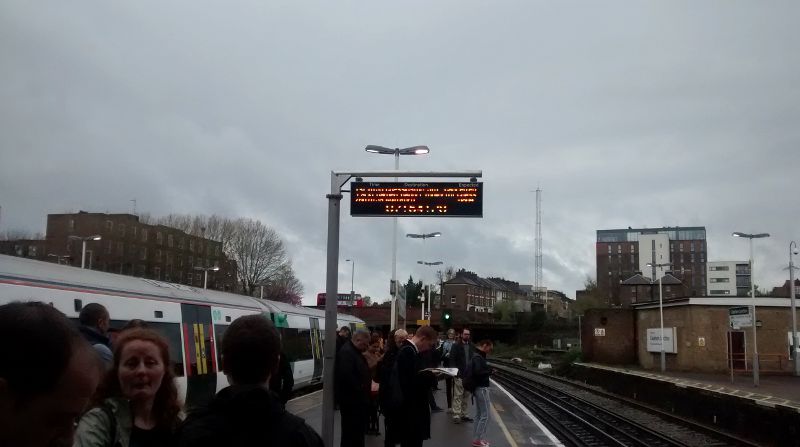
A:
<point x="296" y="344"/>
<point x="158" y="314"/>
<point x="78" y="305"/>
<point x="228" y="318"/>
<point x="172" y="332"/>
<point x="219" y="332"/>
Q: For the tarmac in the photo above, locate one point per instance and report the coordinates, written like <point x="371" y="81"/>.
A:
<point x="510" y="424"/>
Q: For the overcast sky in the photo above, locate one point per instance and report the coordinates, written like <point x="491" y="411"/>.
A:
<point x="626" y="114"/>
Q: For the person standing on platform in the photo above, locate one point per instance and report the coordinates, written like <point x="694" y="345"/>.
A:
<point x="461" y="353"/>
<point x="413" y="419"/>
<point x="246" y="413"/>
<point x="480" y="373"/>
<point x="47" y="376"/>
<point x="95" y="322"/>
<point x="385" y="367"/>
<point x="282" y="381"/>
<point x="342" y="337"/>
<point x="447" y="363"/>
<point x="352" y="388"/>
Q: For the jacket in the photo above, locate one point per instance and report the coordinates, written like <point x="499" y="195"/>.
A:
<point x="246" y="415"/>
<point x="100" y="343"/>
<point x="282" y="382"/>
<point x="414" y="418"/>
<point x="480" y="369"/>
<point x="352" y="379"/>
<point x="95" y="427"/>
<point x="459" y="356"/>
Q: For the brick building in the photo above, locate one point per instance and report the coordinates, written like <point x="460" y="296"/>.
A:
<point x="468" y="291"/>
<point x="623" y="253"/>
<point x="130" y="247"/>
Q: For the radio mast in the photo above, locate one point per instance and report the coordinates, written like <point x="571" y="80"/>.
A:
<point x="537" y="262"/>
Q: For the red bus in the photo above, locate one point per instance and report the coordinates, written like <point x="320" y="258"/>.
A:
<point x="343" y="300"/>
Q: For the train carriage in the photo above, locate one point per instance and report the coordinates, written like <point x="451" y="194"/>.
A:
<point x="192" y="320"/>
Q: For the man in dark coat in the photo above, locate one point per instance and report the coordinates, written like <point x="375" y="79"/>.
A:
<point x="352" y="388"/>
<point x="413" y="420"/>
<point x="247" y="413"/>
<point x="282" y="382"/>
<point x="95" y="322"/>
<point x="385" y="366"/>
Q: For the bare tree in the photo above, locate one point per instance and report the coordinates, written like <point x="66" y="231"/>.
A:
<point x="285" y="286"/>
<point x="258" y="251"/>
<point x="15" y="234"/>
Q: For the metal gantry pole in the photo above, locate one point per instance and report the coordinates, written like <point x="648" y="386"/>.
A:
<point x="793" y="246"/>
<point x="661" y="311"/>
<point x="83" y="255"/>
<point x="331" y="286"/>
<point x="755" y="328"/>
<point x="205" y="278"/>
<point x="393" y="323"/>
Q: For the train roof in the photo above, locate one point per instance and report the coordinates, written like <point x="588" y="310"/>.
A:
<point x="15" y="268"/>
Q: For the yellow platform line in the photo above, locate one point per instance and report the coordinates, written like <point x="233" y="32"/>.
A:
<point x="503" y="427"/>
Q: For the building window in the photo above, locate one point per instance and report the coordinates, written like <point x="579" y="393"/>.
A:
<point x="619" y="248"/>
<point x="719" y="279"/>
<point x="109" y="225"/>
<point x="144" y="234"/>
<point x="189" y="278"/>
<point x="170" y="240"/>
<point x="157" y="272"/>
<point x="121" y="228"/>
<point x="72" y="225"/>
<point x="135" y="229"/>
<point x="159" y="238"/>
<point x="180" y="261"/>
<point x="720" y="292"/>
<point x="109" y="247"/>
<point x="191" y="261"/>
<point x="191" y="245"/>
<point x="181" y="243"/>
<point x="158" y="255"/>
<point x="216" y="251"/>
<point x="691" y="247"/>
<point x="143" y="254"/>
<point x="680" y="246"/>
<point x="609" y="248"/>
<point x="120" y="249"/>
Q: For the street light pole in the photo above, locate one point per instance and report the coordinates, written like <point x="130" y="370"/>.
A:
<point x="95" y="237"/>
<point x="661" y="312"/>
<point x="753" y="295"/>
<point x="796" y="351"/>
<point x="352" y="277"/>
<point x="429" y="289"/>
<point x="205" y="275"/>
<point x="397" y="152"/>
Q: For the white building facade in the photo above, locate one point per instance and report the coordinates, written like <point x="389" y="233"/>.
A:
<point x="728" y="278"/>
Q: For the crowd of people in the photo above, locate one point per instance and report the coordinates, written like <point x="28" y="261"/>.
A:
<point x="86" y="385"/>
<point x="397" y="378"/>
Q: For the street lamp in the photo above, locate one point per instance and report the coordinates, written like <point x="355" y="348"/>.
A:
<point x="415" y="150"/>
<point x="205" y="274"/>
<point x="793" y="250"/>
<point x="95" y="237"/>
<point x="352" y="278"/>
<point x="429" y="297"/>
<point x="661" y="311"/>
<point x="753" y="295"/>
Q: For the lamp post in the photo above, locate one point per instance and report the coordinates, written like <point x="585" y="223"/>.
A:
<point x="205" y="274"/>
<point x="415" y="150"/>
<point x="352" y="279"/>
<point x="95" y="237"/>
<point x="429" y="292"/>
<point x="753" y="295"/>
<point x="661" y="312"/>
<point x="793" y="250"/>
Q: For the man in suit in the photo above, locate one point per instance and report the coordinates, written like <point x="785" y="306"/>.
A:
<point x="414" y="418"/>
<point x="352" y="388"/>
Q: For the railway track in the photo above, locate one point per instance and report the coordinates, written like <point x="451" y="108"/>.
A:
<point x="579" y="416"/>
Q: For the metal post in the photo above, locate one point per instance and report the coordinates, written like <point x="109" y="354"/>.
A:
<point x="205" y="278"/>
<point x="661" y="311"/>
<point x="352" y="280"/>
<point x="730" y="350"/>
<point x="580" y="334"/>
<point x="755" y="329"/>
<point x="331" y="286"/>
<point x="83" y="255"/>
<point x="794" y="312"/>
<point x="393" y="324"/>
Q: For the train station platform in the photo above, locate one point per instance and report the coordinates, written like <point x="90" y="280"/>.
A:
<point x="773" y="390"/>
<point x="510" y="424"/>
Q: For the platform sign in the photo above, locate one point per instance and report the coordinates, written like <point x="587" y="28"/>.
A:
<point x="654" y="340"/>
<point x="424" y="322"/>
<point x="599" y="332"/>
<point x="426" y="199"/>
<point x="740" y="317"/>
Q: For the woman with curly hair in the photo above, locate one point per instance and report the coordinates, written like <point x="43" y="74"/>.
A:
<point x="137" y="403"/>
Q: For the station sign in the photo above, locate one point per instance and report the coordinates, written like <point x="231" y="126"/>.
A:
<point x="740" y="317"/>
<point x="654" y="340"/>
<point x="420" y="199"/>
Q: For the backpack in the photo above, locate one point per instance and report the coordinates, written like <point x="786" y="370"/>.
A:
<point x="467" y="379"/>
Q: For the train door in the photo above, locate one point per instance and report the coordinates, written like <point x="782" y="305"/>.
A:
<point x="199" y="351"/>
<point x="316" y="348"/>
<point x="736" y="350"/>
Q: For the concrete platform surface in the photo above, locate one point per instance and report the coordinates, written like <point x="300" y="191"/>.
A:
<point x="509" y="425"/>
<point x="773" y="390"/>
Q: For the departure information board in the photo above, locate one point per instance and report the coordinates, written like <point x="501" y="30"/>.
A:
<point x="427" y="199"/>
